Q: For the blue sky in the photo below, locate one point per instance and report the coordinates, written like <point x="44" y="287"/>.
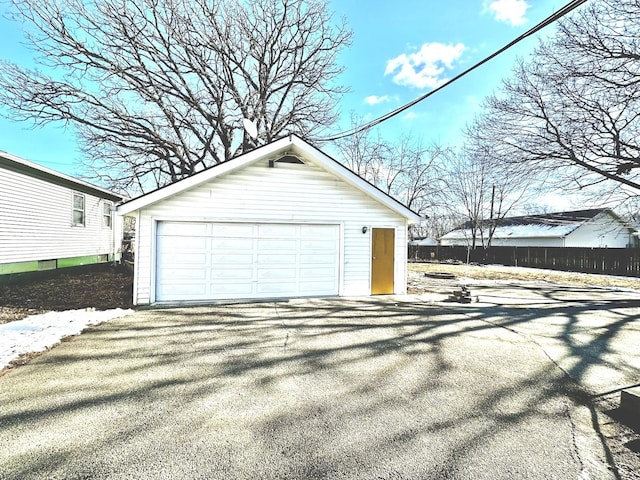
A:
<point x="403" y="49"/>
<point x="400" y="50"/>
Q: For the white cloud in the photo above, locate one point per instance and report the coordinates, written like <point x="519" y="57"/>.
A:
<point x="508" y="11"/>
<point x="424" y="68"/>
<point x="374" y="99"/>
<point x="410" y="116"/>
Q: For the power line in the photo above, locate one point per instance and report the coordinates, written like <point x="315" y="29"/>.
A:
<point x="547" y="21"/>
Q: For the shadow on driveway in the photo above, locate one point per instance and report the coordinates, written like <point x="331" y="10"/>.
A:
<point x="341" y="388"/>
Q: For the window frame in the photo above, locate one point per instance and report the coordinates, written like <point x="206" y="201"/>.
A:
<point x="75" y="209"/>
<point x="107" y="213"/>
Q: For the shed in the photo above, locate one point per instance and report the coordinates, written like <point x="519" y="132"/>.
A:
<point x="50" y="220"/>
<point x="591" y="228"/>
<point x="283" y="220"/>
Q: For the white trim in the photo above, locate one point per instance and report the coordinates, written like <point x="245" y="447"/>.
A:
<point x="370" y="239"/>
<point x="110" y="204"/>
<point x="136" y="262"/>
<point x="341" y="259"/>
<point x="283" y="221"/>
<point x="154" y="259"/>
<point x="291" y="144"/>
<point x="75" y="194"/>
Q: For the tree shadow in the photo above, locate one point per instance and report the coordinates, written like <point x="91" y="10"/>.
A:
<point x="330" y="388"/>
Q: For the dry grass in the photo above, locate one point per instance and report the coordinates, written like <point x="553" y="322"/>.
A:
<point x="499" y="272"/>
<point x="101" y="289"/>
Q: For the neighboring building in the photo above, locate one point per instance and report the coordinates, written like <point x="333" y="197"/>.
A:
<point x="284" y="220"/>
<point x="595" y="228"/>
<point x="423" y="242"/>
<point x="50" y="220"/>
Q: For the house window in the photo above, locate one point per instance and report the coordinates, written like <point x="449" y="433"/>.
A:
<point x="78" y="209"/>
<point x="107" y="218"/>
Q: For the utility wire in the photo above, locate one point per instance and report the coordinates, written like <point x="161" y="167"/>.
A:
<point x="547" y="21"/>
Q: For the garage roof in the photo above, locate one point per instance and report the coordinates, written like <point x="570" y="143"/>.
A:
<point x="288" y="145"/>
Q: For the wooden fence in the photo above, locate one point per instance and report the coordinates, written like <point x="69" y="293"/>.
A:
<point x="608" y="261"/>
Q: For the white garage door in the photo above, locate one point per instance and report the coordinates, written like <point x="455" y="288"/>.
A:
<point x="214" y="261"/>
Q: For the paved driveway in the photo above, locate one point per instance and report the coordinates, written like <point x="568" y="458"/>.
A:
<point x="352" y="388"/>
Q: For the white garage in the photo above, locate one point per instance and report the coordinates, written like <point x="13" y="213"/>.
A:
<point x="219" y="261"/>
<point x="284" y="220"/>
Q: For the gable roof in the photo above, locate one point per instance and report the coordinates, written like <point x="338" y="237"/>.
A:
<point x="551" y="225"/>
<point x="293" y="145"/>
<point x="25" y="167"/>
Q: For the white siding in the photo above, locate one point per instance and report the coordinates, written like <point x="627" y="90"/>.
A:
<point x="528" y="242"/>
<point x="603" y="231"/>
<point x="36" y="221"/>
<point x="288" y="193"/>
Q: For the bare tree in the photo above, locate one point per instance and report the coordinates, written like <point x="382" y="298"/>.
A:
<point x="157" y="89"/>
<point x="572" y="111"/>
<point x="363" y="151"/>
<point x="412" y="173"/>
<point x="481" y="192"/>
<point x="406" y="169"/>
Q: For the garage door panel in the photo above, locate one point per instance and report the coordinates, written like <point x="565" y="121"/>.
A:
<point x="308" y="288"/>
<point x="275" y="288"/>
<point x="231" y="290"/>
<point x="179" y="259"/>
<point x="170" y="245"/>
<point x="276" y="274"/>
<point x="276" y="259"/>
<point x="322" y="272"/>
<point x="277" y="245"/>
<point x="236" y="261"/>
<point x="185" y="290"/>
<point x="231" y="245"/>
<point x="319" y="231"/>
<point x="182" y="229"/>
<point x="178" y="274"/>
<point x="317" y="245"/>
<point x="319" y="259"/>
<point x="223" y="275"/>
<point x="277" y="231"/>
<point x="231" y="260"/>
<point x="231" y="230"/>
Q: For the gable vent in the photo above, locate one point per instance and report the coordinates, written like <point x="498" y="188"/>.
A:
<point x="290" y="159"/>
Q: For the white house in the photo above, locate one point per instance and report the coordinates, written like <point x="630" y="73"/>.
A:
<point x="594" y="228"/>
<point x="284" y="220"/>
<point x="424" y="242"/>
<point x="50" y="220"/>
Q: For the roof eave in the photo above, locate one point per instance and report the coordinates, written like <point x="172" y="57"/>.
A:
<point x="202" y="177"/>
<point x="32" y="169"/>
<point x="355" y="180"/>
<point x="282" y="145"/>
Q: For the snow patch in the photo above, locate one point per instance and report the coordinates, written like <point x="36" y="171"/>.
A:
<point x="37" y="333"/>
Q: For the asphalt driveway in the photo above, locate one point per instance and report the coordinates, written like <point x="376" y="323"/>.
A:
<point x="378" y="387"/>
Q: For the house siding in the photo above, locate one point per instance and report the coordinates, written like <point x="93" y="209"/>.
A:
<point x="36" y="222"/>
<point x="528" y="242"/>
<point x="288" y="193"/>
<point x="604" y="231"/>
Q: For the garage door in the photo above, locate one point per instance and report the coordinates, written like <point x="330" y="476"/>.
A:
<point x="215" y="261"/>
